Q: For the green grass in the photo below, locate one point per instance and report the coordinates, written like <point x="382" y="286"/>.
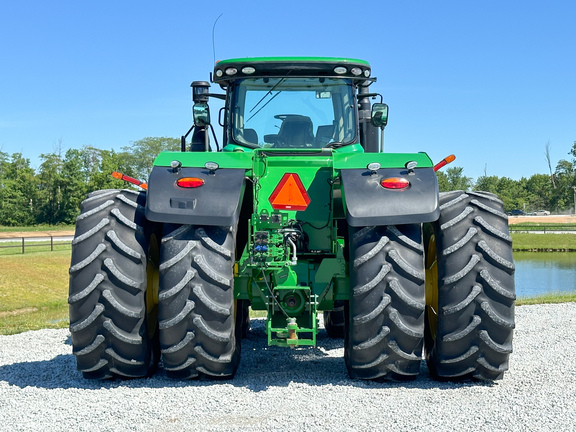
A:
<point x="36" y="228"/>
<point x="550" y="298"/>
<point x="543" y="224"/>
<point x="34" y="291"/>
<point x="543" y="242"/>
<point x="532" y="226"/>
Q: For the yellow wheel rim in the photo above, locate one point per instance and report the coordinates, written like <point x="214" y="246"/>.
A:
<point x="152" y="284"/>
<point x="431" y="264"/>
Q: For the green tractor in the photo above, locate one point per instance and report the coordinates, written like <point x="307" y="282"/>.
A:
<point x="296" y="211"/>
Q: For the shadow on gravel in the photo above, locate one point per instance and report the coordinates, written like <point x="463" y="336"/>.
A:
<point x="261" y="368"/>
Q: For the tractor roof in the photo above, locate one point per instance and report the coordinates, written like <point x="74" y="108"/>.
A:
<point x="232" y="69"/>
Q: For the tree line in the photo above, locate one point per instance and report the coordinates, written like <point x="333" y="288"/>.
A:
<point x="554" y="192"/>
<point x="52" y="193"/>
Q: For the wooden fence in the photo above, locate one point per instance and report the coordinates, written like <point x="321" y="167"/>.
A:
<point x="26" y="243"/>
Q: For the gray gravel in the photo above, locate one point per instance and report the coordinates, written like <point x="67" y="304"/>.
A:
<point x="295" y="390"/>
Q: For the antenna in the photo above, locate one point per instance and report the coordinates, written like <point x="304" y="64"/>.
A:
<point x="213" y="46"/>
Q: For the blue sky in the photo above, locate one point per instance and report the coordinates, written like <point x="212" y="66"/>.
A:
<point x="490" y="81"/>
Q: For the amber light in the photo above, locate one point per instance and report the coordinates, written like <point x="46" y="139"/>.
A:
<point x="129" y="179"/>
<point x="444" y="162"/>
<point x="395" y="183"/>
<point x="190" y="182"/>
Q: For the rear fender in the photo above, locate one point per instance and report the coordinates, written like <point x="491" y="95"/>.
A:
<point x="216" y="203"/>
<point x="367" y="203"/>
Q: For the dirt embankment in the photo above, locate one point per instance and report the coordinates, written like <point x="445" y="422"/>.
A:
<point x="8" y="235"/>
<point x="542" y="219"/>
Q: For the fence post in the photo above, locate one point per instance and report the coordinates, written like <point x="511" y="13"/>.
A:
<point x="22" y="245"/>
<point x="51" y="244"/>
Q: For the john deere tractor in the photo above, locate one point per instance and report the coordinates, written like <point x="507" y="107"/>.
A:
<point x="295" y="211"/>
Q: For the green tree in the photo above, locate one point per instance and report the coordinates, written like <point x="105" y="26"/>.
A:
<point x="511" y="193"/>
<point x="563" y="196"/>
<point x="141" y="153"/>
<point x="74" y="185"/>
<point x="573" y="151"/>
<point x="457" y="180"/>
<point x="539" y="189"/>
<point x="3" y="167"/>
<point x="50" y="181"/>
<point x="99" y="165"/>
<point x="487" y="184"/>
<point x="3" y="185"/>
<point x="443" y="184"/>
<point x="17" y="191"/>
<point x="3" y="160"/>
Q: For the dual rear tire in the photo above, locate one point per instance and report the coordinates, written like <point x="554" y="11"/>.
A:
<point x="470" y="288"/>
<point x="132" y="298"/>
<point x="385" y="320"/>
<point x="113" y="313"/>
<point x="448" y="288"/>
<point x="197" y="319"/>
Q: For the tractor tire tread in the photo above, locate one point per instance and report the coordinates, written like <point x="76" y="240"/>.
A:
<point x="475" y="320"/>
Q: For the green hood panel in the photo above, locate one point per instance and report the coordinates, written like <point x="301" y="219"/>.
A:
<point x="198" y="159"/>
<point x="386" y="160"/>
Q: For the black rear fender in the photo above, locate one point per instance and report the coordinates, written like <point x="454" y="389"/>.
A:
<point x="217" y="202"/>
<point x="367" y="203"/>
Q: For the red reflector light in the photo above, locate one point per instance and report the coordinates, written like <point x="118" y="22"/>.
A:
<point x="290" y="194"/>
<point x="395" y="183"/>
<point x="189" y="182"/>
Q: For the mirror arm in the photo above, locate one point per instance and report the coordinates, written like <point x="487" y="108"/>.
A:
<point x="369" y="95"/>
<point x="217" y="96"/>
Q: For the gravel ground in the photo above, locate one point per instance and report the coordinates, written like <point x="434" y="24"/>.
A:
<point x="296" y="390"/>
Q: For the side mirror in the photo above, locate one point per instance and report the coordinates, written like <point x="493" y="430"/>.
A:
<point x="379" y="115"/>
<point x="201" y="114"/>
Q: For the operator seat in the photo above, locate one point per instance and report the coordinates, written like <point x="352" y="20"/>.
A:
<point x="296" y="131"/>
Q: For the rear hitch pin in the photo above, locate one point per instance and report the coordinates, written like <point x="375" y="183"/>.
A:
<point x="292" y="326"/>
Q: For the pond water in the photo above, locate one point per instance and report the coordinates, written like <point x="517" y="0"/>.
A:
<point x="544" y="272"/>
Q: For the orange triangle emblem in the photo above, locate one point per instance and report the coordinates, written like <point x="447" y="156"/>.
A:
<point x="290" y="194"/>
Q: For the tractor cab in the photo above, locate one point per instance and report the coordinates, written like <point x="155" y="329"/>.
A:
<point x="290" y="103"/>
